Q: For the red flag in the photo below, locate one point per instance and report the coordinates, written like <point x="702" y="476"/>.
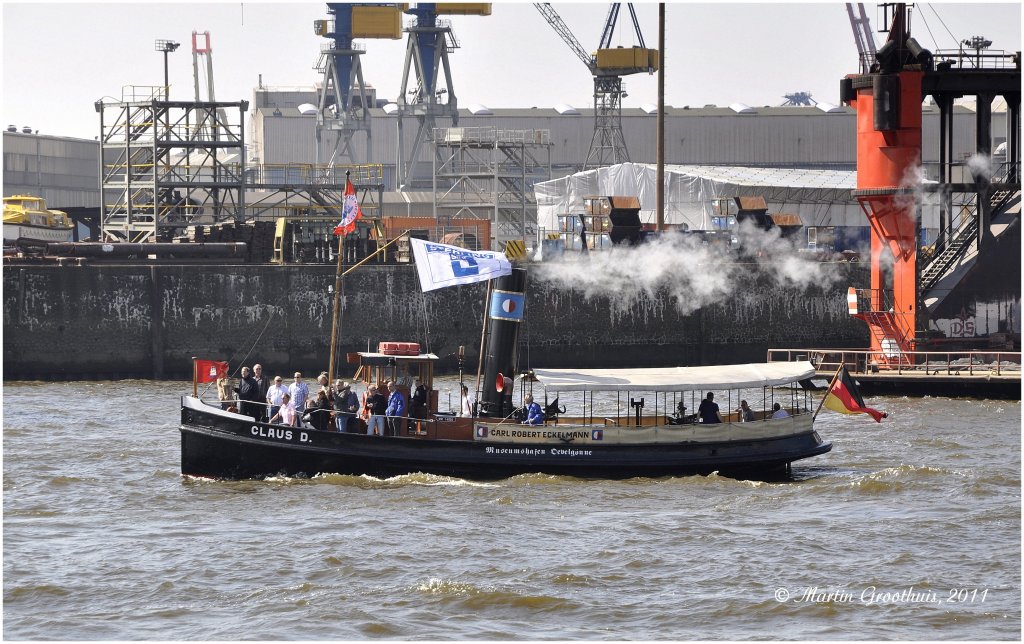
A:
<point x="210" y="370"/>
<point x="844" y="397"/>
<point x="350" y="211"/>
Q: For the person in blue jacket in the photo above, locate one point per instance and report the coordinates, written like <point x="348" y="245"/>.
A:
<point x="395" y="410"/>
<point x="534" y="414"/>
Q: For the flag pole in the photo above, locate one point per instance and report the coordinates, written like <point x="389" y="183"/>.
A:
<point x="374" y="253"/>
<point x="338" y="275"/>
<point x="483" y="336"/>
<point x="828" y="390"/>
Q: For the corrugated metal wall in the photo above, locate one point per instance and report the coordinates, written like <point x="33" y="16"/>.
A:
<point x="798" y="137"/>
<point x="63" y="171"/>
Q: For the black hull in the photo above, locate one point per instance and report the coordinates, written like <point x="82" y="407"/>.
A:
<point x="218" y="447"/>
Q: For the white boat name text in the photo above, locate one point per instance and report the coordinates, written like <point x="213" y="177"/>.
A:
<point x="279" y="434"/>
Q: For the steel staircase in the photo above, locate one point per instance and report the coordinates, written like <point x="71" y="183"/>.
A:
<point x="890" y="338"/>
<point x="952" y="250"/>
<point x="327" y="202"/>
<point x="948" y="255"/>
<point x="892" y="341"/>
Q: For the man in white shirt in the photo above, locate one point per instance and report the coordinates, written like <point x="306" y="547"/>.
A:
<point x="299" y="392"/>
<point x="779" y="412"/>
<point x="274" y="393"/>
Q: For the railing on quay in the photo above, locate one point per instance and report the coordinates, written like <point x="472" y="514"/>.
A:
<point x="971" y="58"/>
<point x="298" y="174"/>
<point x="485" y="134"/>
<point x="920" y="363"/>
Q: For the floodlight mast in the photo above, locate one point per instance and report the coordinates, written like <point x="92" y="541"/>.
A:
<point x="166" y="46"/>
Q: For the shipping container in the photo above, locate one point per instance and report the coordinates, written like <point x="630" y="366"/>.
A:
<point x="653" y="59"/>
<point x="376" y="22"/>
<point x="618" y="58"/>
<point x="463" y="8"/>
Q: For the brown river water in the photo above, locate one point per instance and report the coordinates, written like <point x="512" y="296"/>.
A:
<point x="907" y="530"/>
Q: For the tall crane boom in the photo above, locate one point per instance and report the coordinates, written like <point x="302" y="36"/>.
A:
<point x="562" y="30"/>
<point x="607" y="66"/>
<point x="609" y="25"/>
<point x="612" y="19"/>
<point x="862" y="36"/>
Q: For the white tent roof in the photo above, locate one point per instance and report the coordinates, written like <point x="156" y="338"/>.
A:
<point x="733" y="376"/>
<point x="820" y="197"/>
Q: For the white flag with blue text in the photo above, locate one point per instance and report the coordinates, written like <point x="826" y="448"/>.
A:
<point x="440" y="265"/>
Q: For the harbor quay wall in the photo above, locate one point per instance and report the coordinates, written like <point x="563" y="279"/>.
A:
<point x="148" y="321"/>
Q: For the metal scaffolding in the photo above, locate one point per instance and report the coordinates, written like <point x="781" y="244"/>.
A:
<point x="487" y="173"/>
<point x="165" y="164"/>
<point x="280" y="189"/>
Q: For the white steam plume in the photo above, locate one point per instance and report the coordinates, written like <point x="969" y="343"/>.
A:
<point x="693" y="273"/>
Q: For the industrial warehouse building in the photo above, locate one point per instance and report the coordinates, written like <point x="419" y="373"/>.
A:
<point x="822" y="136"/>
<point x="282" y="131"/>
<point x="63" y="170"/>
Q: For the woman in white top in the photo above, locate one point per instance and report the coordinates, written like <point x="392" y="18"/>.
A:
<point x="286" y="414"/>
<point x="467" y="406"/>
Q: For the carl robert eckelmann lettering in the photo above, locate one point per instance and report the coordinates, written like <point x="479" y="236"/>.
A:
<point x="303" y="437"/>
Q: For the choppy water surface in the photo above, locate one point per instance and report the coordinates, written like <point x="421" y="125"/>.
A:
<point x="104" y="539"/>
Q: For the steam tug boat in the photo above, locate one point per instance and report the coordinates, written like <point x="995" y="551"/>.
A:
<point x="636" y="426"/>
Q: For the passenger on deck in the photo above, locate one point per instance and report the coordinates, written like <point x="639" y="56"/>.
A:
<point x="746" y="413"/>
<point x="534" y="414"/>
<point x="779" y="412"/>
<point x="680" y="415"/>
<point x="708" y="410"/>
<point x="346" y="403"/>
<point x="298" y="391"/>
<point x="286" y="413"/>
<point x="396" y="409"/>
<point x="325" y="383"/>
<point x="274" y="395"/>
<point x="224" y="392"/>
<point x="467" y="404"/>
<point x="319" y="413"/>
<point x="404" y="379"/>
<point x="263" y="382"/>
<point x="418" y="404"/>
<point x="248" y="391"/>
<point x="376" y="405"/>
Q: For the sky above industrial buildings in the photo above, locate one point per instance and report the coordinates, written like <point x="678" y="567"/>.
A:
<point x="60" y="58"/>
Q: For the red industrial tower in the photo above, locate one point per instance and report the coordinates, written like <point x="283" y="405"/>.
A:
<point x="889" y="177"/>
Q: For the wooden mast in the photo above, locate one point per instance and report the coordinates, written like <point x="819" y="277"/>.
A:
<point x="336" y="315"/>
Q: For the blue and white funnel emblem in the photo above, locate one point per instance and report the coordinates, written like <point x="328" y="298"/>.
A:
<point x="506" y="305"/>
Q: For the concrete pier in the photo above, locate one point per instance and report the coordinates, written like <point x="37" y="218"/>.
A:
<point x="147" y="321"/>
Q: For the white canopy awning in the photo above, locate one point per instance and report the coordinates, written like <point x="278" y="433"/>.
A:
<point x="819" y="197"/>
<point x="733" y="376"/>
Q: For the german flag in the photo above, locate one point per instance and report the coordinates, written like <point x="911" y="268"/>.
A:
<point x="844" y="398"/>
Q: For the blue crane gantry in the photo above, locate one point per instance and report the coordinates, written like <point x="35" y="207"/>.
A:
<point x="426" y="59"/>
<point x="343" y="103"/>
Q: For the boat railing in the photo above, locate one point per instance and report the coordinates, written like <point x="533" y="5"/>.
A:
<point x="929" y="363"/>
<point x="434" y="427"/>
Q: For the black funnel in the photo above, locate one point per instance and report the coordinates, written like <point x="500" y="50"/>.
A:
<point x="504" y="316"/>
